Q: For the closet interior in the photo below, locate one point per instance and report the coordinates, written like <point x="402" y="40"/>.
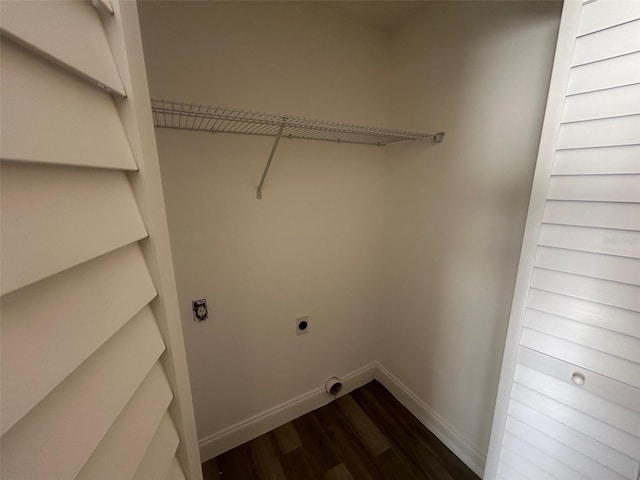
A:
<point x="182" y="276"/>
<point x="402" y="258"/>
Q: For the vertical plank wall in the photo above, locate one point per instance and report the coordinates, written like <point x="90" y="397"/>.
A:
<point x="569" y="401"/>
<point x="94" y="380"/>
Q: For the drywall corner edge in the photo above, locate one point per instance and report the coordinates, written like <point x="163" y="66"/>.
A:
<point x="242" y="432"/>
<point x="562" y="62"/>
<point x="466" y="451"/>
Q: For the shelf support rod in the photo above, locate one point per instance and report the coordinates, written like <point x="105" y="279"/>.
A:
<point x="266" y="168"/>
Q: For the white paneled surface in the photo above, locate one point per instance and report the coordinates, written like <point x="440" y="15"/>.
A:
<point x="617" y="439"/>
<point x="525" y="450"/>
<point x="124" y="446"/>
<point x="603" y="188"/>
<point x="159" y="455"/>
<point x="618" y="392"/>
<point x="55" y="218"/>
<point x="601" y="132"/>
<point x="603" y="291"/>
<point x="505" y="472"/>
<point x="623" y="216"/>
<point x="572" y="459"/>
<point x="46" y="346"/>
<point x="42" y="105"/>
<point x="603" y="103"/>
<point x="593" y="313"/>
<point x="625" y="243"/>
<point x="577" y="332"/>
<point x="606" y="267"/>
<point x="606" y="14"/>
<point x="61" y="428"/>
<point x="585" y="444"/>
<point x="573" y="409"/>
<point x="600" y="406"/>
<point x="87" y="51"/>
<point x="175" y="471"/>
<point x="591" y="359"/>
<point x="84" y="307"/>
<point x="611" y="42"/>
<point x="601" y="160"/>
<point x="528" y="469"/>
<point x="612" y="73"/>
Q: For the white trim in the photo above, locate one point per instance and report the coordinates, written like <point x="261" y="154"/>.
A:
<point x="548" y="141"/>
<point x="465" y="450"/>
<point x="263" y="422"/>
<point x="123" y="31"/>
<point x="244" y="431"/>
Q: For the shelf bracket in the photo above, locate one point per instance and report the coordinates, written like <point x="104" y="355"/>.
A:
<point x="266" y="168"/>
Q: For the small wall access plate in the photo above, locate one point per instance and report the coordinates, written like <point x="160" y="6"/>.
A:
<point x="200" y="310"/>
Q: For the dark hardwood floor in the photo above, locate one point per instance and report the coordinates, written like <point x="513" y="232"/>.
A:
<point x="365" y="435"/>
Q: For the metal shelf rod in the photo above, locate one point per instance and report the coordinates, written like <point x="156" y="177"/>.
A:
<point x="266" y="168"/>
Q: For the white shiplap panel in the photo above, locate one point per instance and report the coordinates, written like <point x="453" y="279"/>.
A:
<point x="611" y="458"/>
<point x="603" y="14"/>
<point x="623" y="346"/>
<point x="600" y="133"/>
<point x="598" y="188"/>
<point x="113" y="288"/>
<point x="159" y="455"/>
<point x="586" y="424"/>
<point x="580" y="399"/>
<point x="599" y="362"/>
<point x="505" y="472"/>
<point x="69" y="32"/>
<point x="589" y="216"/>
<point x="607" y="267"/>
<point x="555" y="449"/>
<point x="617" y="294"/>
<point x="523" y="466"/>
<point x="121" y="451"/>
<point x="624" y="216"/>
<point x="611" y="73"/>
<point x="51" y="116"/>
<point x="625" y="243"/>
<point x="612" y="42"/>
<point x="65" y="428"/>
<point x="612" y="102"/>
<point x="593" y="313"/>
<point x="175" y="471"/>
<point x="54" y="218"/>
<point x="554" y="467"/>
<point x="598" y="161"/>
<point x="617" y="392"/>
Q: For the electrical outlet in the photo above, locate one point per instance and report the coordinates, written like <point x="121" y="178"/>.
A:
<point x="200" y="310"/>
<point x="302" y="325"/>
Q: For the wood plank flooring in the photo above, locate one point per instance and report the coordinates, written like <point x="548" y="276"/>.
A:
<point x="365" y="435"/>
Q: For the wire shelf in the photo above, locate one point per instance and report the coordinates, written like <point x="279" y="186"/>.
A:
<point x="184" y="116"/>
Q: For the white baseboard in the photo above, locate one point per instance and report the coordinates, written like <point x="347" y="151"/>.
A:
<point x="242" y="432"/>
<point x="466" y="451"/>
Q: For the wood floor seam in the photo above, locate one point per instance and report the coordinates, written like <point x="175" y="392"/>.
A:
<point x="364" y="435"/>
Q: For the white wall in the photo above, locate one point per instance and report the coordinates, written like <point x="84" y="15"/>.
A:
<point x="407" y="254"/>
<point x="456" y="211"/>
<point x="312" y="245"/>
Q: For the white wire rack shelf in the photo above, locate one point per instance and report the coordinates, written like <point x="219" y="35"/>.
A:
<point x="185" y="116"/>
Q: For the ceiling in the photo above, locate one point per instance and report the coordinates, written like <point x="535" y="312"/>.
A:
<point x="382" y="14"/>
